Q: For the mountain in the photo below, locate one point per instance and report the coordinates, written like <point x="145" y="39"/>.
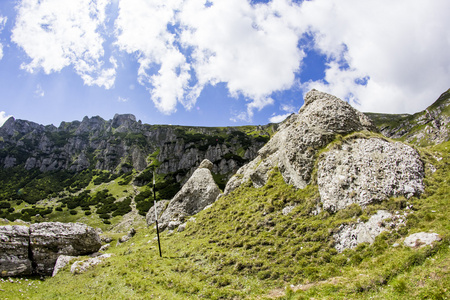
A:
<point x="328" y="208"/>
<point x="47" y="162"/>
<point x="428" y="127"/>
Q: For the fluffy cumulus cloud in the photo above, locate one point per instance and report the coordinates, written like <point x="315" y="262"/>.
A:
<point x="289" y="109"/>
<point x="143" y="29"/>
<point x="60" y="33"/>
<point x="381" y="55"/>
<point x="251" y="48"/>
<point x="182" y="46"/>
<point x="2" y="26"/>
<point x="385" y="56"/>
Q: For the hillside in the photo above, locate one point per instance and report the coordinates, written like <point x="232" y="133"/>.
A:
<point x="51" y="173"/>
<point x="276" y="232"/>
<point x="428" y="127"/>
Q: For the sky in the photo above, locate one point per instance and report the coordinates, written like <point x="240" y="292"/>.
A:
<point x="217" y="62"/>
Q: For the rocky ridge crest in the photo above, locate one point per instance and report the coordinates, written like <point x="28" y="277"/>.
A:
<point x="362" y="170"/>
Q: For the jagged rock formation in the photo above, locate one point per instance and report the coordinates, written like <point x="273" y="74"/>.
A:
<point x="363" y="171"/>
<point x="35" y="249"/>
<point x="431" y="126"/>
<point x="358" y="170"/>
<point x="197" y="193"/>
<point x="121" y="144"/>
<point x="293" y="148"/>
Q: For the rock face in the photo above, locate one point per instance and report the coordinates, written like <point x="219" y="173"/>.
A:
<point x="51" y="239"/>
<point x="198" y="192"/>
<point x="363" y="171"/>
<point x="160" y="208"/>
<point x="14" y="247"/>
<point x="35" y="249"/>
<point x="351" y="235"/>
<point x="293" y="148"/>
<point x="121" y="144"/>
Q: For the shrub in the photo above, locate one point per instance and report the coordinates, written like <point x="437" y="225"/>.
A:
<point x="73" y="212"/>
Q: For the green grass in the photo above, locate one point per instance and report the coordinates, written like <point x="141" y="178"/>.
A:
<point x="243" y="247"/>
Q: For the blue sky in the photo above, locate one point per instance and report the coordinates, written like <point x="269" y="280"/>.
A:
<point x="217" y="62"/>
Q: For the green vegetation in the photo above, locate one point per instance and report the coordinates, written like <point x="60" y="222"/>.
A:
<point x="243" y="247"/>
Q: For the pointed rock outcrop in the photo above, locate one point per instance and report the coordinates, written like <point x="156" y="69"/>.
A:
<point x="198" y="192"/>
<point x="293" y="148"/>
<point x="358" y="170"/>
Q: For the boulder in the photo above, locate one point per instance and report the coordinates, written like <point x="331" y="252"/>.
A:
<point x="61" y="262"/>
<point x="160" y="208"/>
<point x="49" y="240"/>
<point x="14" y="251"/>
<point x="80" y="267"/>
<point x="421" y="239"/>
<point x="350" y="236"/>
<point x="198" y="192"/>
<point x="128" y="236"/>
<point x="363" y="171"/>
<point x="293" y="148"/>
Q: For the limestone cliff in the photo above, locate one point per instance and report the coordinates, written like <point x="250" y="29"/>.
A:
<point x="122" y="144"/>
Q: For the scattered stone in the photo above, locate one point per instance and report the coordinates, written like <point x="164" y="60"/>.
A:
<point x="80" y="267"/>
<point x="287" y="210"/>
<point x="182" y="227"/>
<point x="106" y="239"/>
<point x="127" y="237"/>
<point x="61" y="262"/>
<point x="421" y="239"/>
<point x="350" y="236"/>
<point x="104" y="247"/>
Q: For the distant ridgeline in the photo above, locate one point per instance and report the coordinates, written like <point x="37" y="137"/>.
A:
<point x="40" y="162"/>
<point x="102" y="170"/>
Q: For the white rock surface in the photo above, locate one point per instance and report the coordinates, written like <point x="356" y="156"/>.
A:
<point x="292" y="149"/>
<point x="421" y="239"/>
<point x="363" y="171"/>
<point x="198" y="192"/>
<point x="351" y="235"/>
<point x="79" y="267"/>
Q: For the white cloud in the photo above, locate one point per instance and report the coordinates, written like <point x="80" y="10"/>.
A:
<point x="3" y="117"/>
<point x="400" y="47"/>
<point x="59" y="33"/>
<point x="2" y="26"/>
<point x="39" y="92"/>
<point x="121" y="99"/>
<point x="279" y="118"/>
<point x="253" y="49"/>
<point x="142" y="29"/>
<point x="288" y="108"/>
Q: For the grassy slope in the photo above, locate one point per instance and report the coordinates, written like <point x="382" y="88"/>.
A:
<point x="244" y="247"/>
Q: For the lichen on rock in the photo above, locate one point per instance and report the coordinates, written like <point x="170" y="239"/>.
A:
<point x="370" y="170"/>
